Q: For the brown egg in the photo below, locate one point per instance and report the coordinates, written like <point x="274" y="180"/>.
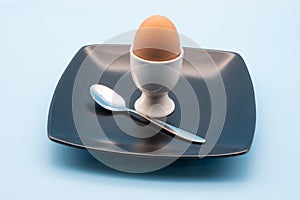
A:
<point x="156" y="39"/>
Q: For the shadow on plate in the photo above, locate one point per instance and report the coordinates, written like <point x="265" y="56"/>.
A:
<point x="210" y="169"/>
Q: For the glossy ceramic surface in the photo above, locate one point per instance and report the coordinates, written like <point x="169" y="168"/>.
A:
<point x="239" y="127"/>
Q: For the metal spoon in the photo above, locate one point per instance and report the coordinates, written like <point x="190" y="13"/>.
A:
<point x="110" y="100"/>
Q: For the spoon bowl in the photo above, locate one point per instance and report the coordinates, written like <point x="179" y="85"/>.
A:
<point x="107" y="98"/>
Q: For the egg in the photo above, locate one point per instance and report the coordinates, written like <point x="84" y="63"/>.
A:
<point x="156" y="39"/>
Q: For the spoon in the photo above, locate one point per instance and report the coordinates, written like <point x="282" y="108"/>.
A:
<point x="110" y="100"/>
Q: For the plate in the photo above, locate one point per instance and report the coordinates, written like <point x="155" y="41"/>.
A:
<point x="113" y="63"/>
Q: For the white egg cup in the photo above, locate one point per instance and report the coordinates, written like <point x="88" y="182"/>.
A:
<point x="155" y="79"/>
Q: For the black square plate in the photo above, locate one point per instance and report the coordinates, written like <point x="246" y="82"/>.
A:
<point x="236" y="136"/>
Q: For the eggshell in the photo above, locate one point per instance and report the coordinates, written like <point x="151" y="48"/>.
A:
<point x="157" y="39"/>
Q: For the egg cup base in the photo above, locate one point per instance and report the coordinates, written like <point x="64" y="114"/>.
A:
<point x="157" y="106"/>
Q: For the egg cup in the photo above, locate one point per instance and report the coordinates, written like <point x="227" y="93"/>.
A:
<point x="155" y="79"/>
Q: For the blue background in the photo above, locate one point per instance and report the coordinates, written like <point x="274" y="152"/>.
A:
<point x="38" y="40"/>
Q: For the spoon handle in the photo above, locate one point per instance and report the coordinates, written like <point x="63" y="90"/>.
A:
<point x="172" y="129"/>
